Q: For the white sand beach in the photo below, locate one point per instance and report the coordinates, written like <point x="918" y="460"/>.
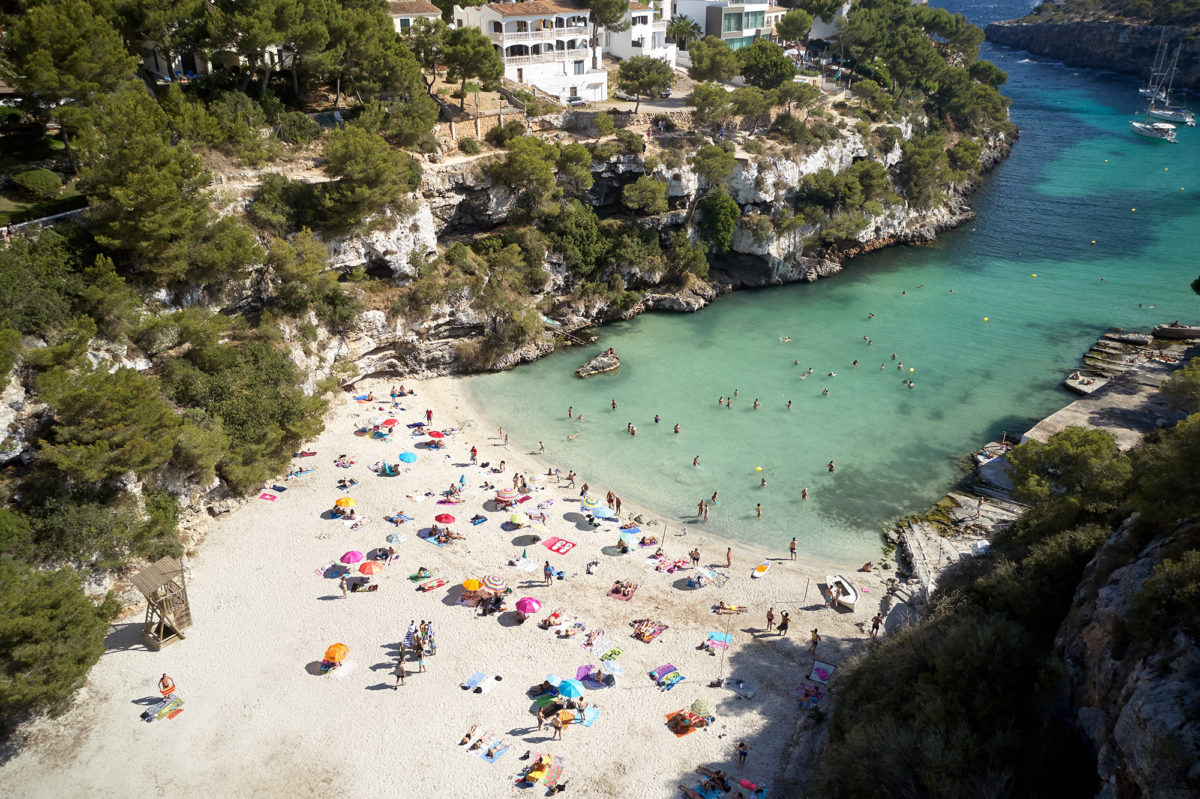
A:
<point x="259" y="719"/>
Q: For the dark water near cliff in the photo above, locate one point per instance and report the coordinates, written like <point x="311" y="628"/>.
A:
<point x="1075" y="176"/>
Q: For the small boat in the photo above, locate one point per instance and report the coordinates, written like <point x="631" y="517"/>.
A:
<point x="1154" y="130"/>
<point x="1177" y="331"/>
<point x="760" y="569"/>
<point x="1166" y="111"/>
<point x="848" y="595"/>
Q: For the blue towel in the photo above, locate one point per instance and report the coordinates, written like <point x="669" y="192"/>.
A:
<point x="499" y="752"/>
<point x="722" y="637"/>
<point x="474" y="680"/>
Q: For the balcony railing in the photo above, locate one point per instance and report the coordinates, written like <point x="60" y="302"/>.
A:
<point x="659" y="25"/>
<point x="545" y="34"/>
<point x="546" y="58"/>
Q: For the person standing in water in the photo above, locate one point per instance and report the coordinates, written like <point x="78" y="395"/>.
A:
<point x="714" y="497"/>
<point x="614" y="405"/>
<point x="791" y="553"/>
<point x="758" y="510"/>
<point x="696" y="461"/>
<point x="677" y="428"/>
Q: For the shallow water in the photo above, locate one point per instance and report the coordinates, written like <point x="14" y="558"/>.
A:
<point x="988" y="343"/>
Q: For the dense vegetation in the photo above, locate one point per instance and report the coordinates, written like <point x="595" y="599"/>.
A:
<point x="1159" y="12"/>
<point x="967" y="703"/>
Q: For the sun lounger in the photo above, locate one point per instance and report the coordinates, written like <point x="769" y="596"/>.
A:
<point x="474" y="680"/>
<point x="488" y="685"/>
<point x="821" y="672"/>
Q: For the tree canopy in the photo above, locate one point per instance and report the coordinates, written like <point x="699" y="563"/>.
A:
<point x="712" y="60"/>
<point x="469" y="54"/>
<point x="644" y="75"/>
<point x="794" y="25"/>
<point x="764" y="65"/>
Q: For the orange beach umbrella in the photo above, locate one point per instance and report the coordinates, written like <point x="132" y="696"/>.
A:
<point x="337" y="653"/>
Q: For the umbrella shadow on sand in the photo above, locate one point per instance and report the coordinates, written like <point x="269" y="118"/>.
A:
<point x="579" y="520"/>
<point x="526" y="540"/>
<point x="313" y="668"/>
<point x="613" y="552"/>
<point x="509" y="619"/>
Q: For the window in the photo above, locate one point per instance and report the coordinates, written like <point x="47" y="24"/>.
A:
<point x="579" y="70"/>
<point x="740" y="42"/>
<point x="405" y="24"/>
<point x="754" y="19"/>
<point x="641" y="20"/>
<point x="732" y="22"/>
<point x="497" y="27"/>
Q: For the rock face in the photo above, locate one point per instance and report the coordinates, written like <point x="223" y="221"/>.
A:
<point x="1118" y="46"/>
<point x="606" y="361"/>
<point x="1135" y="702"/>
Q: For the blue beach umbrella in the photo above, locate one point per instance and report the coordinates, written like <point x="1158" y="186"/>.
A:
<point x="462" y="479"/>
<point x="408" y="457"/>
<point x="553" y="679"/>
<point x="571" y="689"/>
<point x="602" y="513"/>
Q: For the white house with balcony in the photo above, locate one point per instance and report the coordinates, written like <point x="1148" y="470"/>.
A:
<point x="544" y="44"/>
<point x="738" y="22"/>
<point x="646" y="35"/>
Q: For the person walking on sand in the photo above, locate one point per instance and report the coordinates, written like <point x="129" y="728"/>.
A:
<point x="421" y="661"/>
<point x="784" y="620"/>
<point x="742" y="751"/>
<point x="541" y="448"/>
<point x="792" y="549"/>
<point x="770" y="618"/>
<point x="548" y="572"/>
<point x="813" y="641"/>
<point x="875" y="622"/>
<point x="557" y="724"/>
<point x="166" y="686"/>
<point x="474" y="454"/>
<point x="728" y="557"/>
<point x="342" y="585"/>
<point x="978" y="507"/>
<point x="400" y="673"/>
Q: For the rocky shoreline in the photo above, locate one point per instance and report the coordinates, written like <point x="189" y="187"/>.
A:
<point x="1123" y="47"/>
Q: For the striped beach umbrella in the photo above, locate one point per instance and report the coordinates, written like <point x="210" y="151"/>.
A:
<point x="537" y="478"/>
<point x="495" y="583"/>
<point x="507" y="494"/>
<point x="702" y="707"/>
<point x="590" y="502"/>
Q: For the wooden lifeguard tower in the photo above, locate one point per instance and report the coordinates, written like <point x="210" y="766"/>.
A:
<point x="167" y="611"/>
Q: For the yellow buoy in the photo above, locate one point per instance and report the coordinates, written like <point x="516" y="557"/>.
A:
<point x="1034" y="274"/>
<point x="1106" y="160"/>
<point x="911" y="369"/>
<point x="1133" y="210"/>
<point x="985" y="318"/>
<point x="1165" y="169"/>
<point x="758" y="468"/>
<point x="1093" y="242"/>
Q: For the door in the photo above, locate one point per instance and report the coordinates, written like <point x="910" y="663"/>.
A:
<point x="520" y="75"/>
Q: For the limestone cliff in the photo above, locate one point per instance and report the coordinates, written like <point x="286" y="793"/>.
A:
<point x="1118" y="46"/>
<point x="1136" y="701"/>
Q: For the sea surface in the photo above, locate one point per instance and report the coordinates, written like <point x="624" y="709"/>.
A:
<point x="1084" y="227"/>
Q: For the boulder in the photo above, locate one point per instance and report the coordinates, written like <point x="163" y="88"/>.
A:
<point x="606" y="361"/>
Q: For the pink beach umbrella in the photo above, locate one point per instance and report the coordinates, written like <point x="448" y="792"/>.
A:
<point x="353" y="556"/>
<point x="528" y="605"/>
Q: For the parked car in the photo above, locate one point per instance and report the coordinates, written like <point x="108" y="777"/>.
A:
<point x="665" y="93"/>
<point x="620" y="95"/>
<point x="576" y="102"/>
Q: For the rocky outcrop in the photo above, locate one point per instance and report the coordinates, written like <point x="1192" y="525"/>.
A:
<point x="603" y="363"/>
<point x="1135" y="702"/>
<point x="1118" y="46"/>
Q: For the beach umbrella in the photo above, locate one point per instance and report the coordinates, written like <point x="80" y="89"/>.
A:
<point x="517" y="518"/>
<point x="702" y="707"/>
<point x="462" y="479"/>
<point x="602" y="513"/>
<point x="389" y="423"/>
<point x="397" y="538"/>
<point x="571" y="689"/>
<point x="528" y="605"/>
<point x="353" y="556"/>
<point x="346" y="502"/>
<point x="612" y="667"/>
<point x="553" y="679"/>
<point x="590" y="502"/>
<point x="507" y="494"/>
<point x="371" y="567"/>
<point x="471" y="584"/>
<point x="336" y="653"/>
<point x="408" y="457"/>
<point x="437" y="434"/>
<point x="537" y="478"/>
<point x="373" y="421"/>
<point x="495" y="583"/>
<point x="444" y="518"/>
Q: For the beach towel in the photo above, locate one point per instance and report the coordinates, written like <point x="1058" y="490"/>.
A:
<point x="670" y="681"/>
<point x="615" y="593"/>
<point x="356" y="524"/>
<point x="431" y="585"/>
<point x="542" y="700"/>
<point x="279" y="488"/>
<point x="821" y="672"/>
<point x="473" y="680"/>
<point x="361" y="398"/>
<point x="558" y="545"/>
<point x="612" y="654"/>
<point x="488" y="685"/>
<point x="478" y="521"/>
<point x="583" y="672"/>
<point x="809" y="695"/>
<point x="742" y="688"/>
<point x="686" y="730"/>
<point x="756" y="790"/>
<point x="416" y="578"/>
<point x="725" y="638"/>
<point x="554" y="773"/>
<point x="267" y="497"/>
<point x="662" y="671"/>
<point x="710" y="645"/>
<point x="425" y="535"/>
<point x="341" y="671"/>
<point x="475" y="737"/>
<point x="525" y="498"/>
<point x="630" y="531"/>
<point x="321" y="571"/>
<point x="534" y="772"/>
<point x="587" y="717"/>
<point x="708" y="793"/>
<point x="499" y="753"/>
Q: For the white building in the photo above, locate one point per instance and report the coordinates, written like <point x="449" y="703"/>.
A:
<point x="738" y="22"/>
<point x="544" y="44"/>
<point x="404" y="13"/>
<point x="828" y="31"/>
<point x="646" y="35"/>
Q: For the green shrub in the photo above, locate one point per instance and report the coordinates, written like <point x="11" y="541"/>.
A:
<point x="501" y="135"/>
<point x="665" y="121"/>
<point x="38" y="281"/>
<point x="469" y="146"/>
<point x="631" y="142"/>
<point x="52" y="636"/>
<point x="40" y="184"/>
<point x="719" y="214"/>
<point x="297" y="128"/>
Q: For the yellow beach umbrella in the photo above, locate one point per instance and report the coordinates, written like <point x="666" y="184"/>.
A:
<point x="472" y="584"/>
<point x="346" y="502"/>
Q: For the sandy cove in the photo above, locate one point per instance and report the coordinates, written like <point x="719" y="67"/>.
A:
<point x="258" y="721"/>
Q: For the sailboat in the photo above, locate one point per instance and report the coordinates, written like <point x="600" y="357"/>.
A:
<point x="1165" y="111"/>
<point x="1153" y="90"/>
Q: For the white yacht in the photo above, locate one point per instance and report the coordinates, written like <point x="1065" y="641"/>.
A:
<point x="1165" y="111"/>
<point x="1153" y="130"/>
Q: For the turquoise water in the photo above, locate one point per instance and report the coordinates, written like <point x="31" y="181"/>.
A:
<point x="1075" y="176"/>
